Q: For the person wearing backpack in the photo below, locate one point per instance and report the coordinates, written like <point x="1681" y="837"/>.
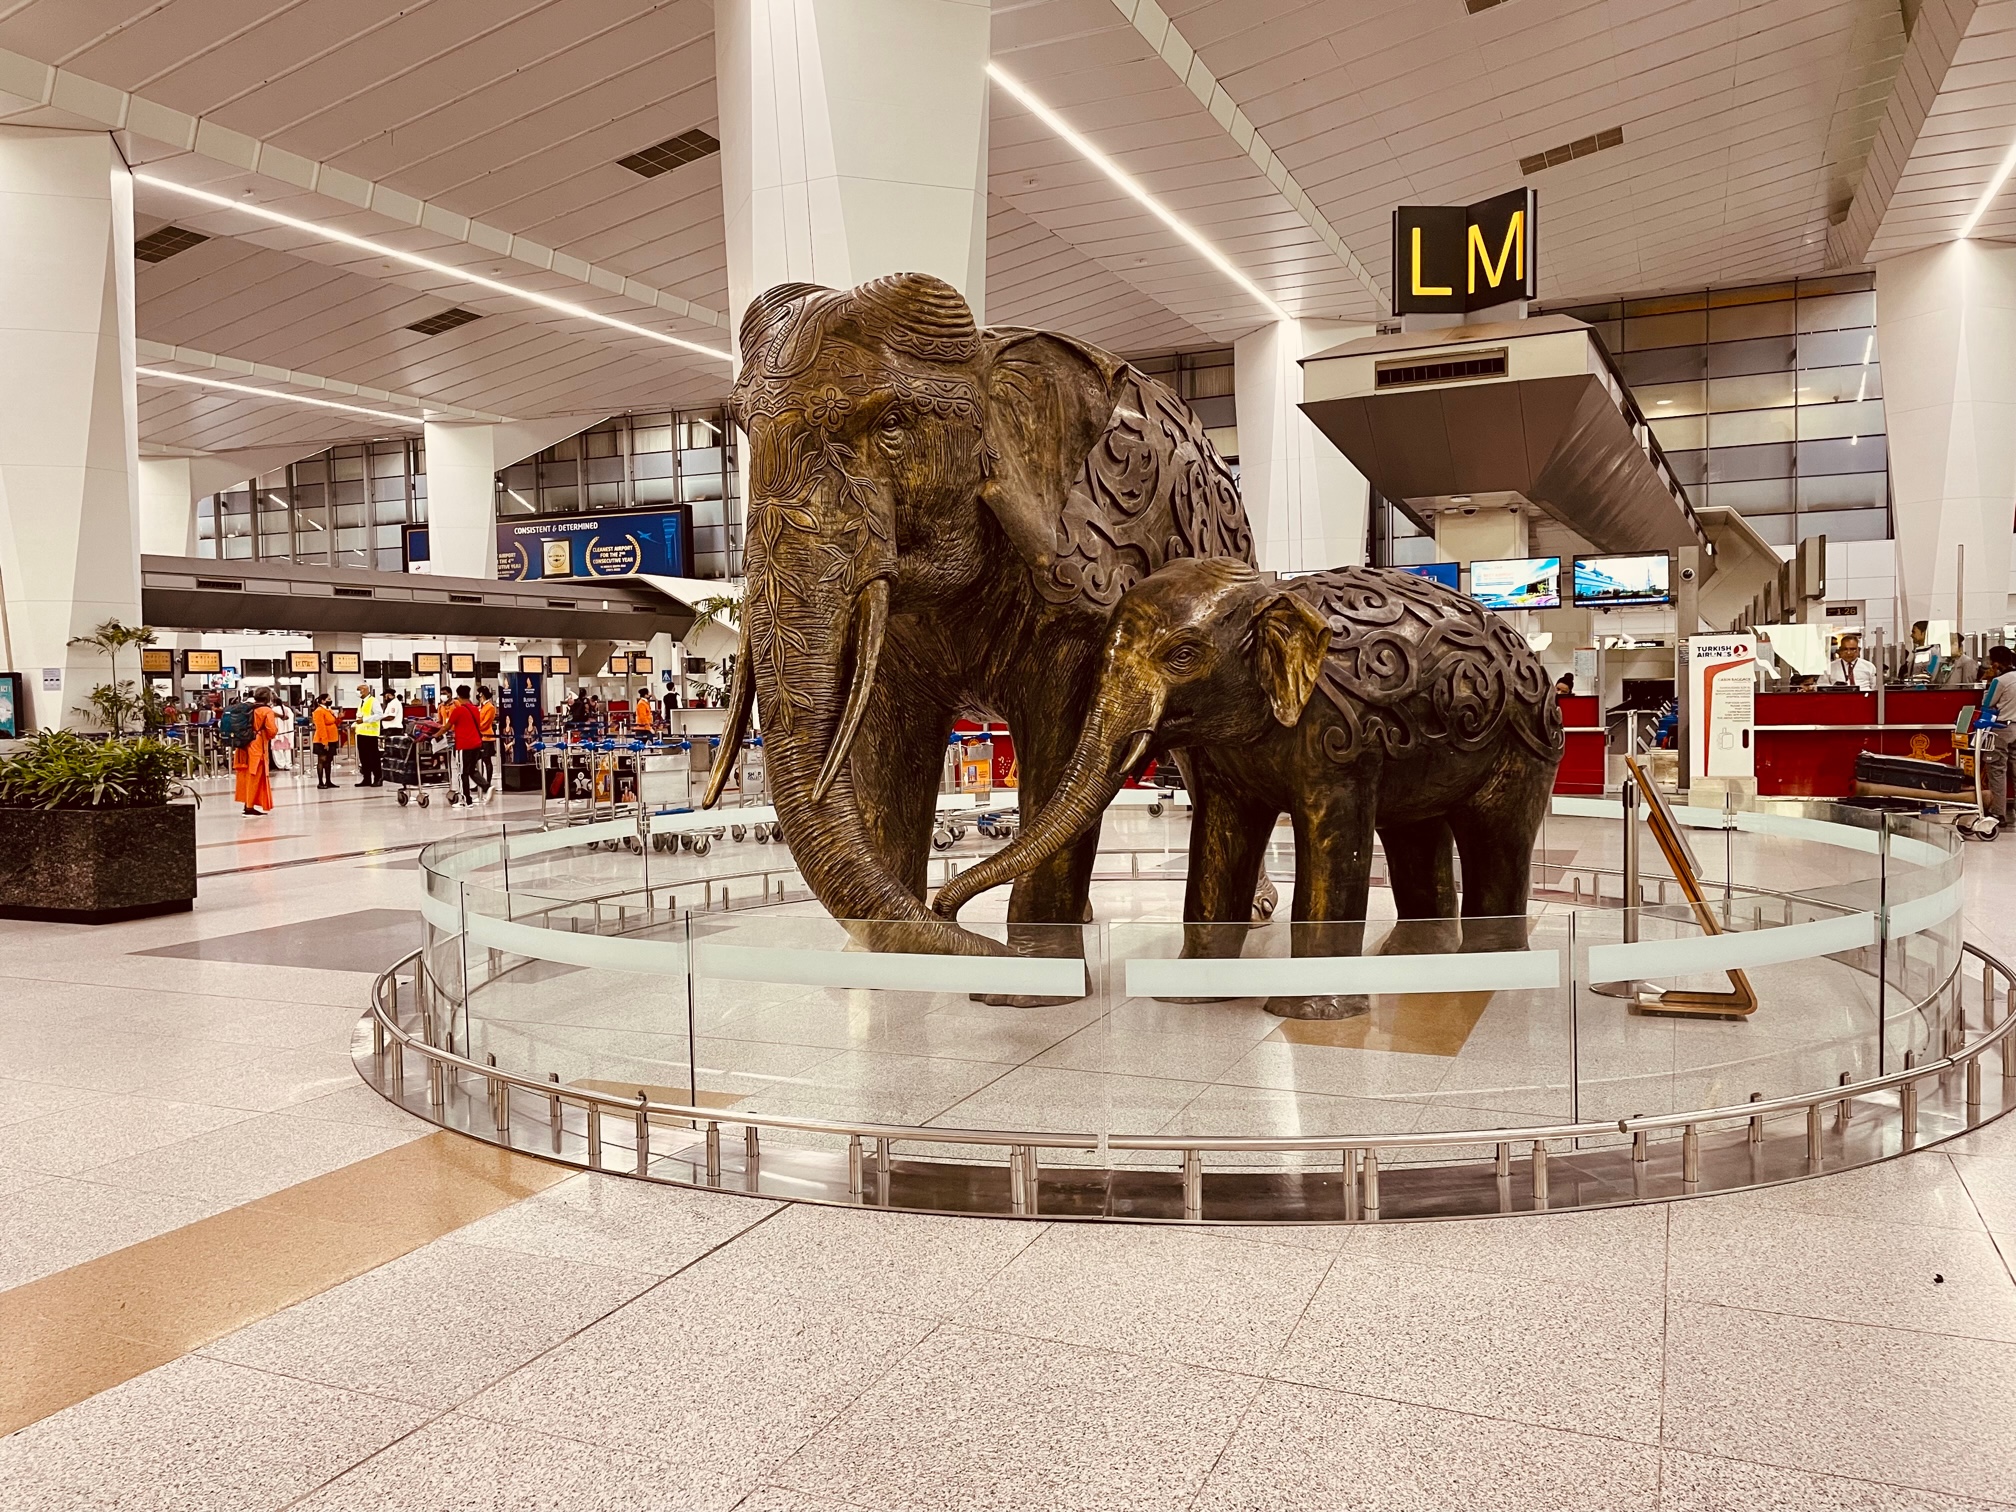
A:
<point x="252" y="763"/>
<point x="366" y="731"/>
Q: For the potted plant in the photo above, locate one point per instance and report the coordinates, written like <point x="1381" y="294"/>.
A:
<point x="91" y="831"/>
<point x="116" y="704"/>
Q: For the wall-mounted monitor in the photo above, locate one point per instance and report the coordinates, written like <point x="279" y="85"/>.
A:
<point x="640" y="665"/>
<point x="346" y="663"/>
<point x="1517" y="583"/>
<point x="1611" y="582"/>
<point x="461" y="664"/>
<point x="304" y="663"/>
<point x="531" y="664"/>
<point x="560" y="666"/>
<point x="1448" y="574"/>
<point x="619" y="665"/>
<point x="426" y="663"/>
<point x="202" y="663"/>
<point x="157" y="663"/>
<point x="13" y="706"/>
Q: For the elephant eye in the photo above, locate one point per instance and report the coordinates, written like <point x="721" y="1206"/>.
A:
<point x="1183" y="659"/>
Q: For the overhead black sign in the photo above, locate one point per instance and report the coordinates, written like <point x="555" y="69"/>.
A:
<point x="1448" y="259"/>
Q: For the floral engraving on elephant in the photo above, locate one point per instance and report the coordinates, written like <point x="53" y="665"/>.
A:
<point x="1412" y="666"/>
<point x="941" y="519"/>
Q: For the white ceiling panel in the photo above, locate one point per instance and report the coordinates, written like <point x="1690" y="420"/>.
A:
<point x="1968" y="131"/>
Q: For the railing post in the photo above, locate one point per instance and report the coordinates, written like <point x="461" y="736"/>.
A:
<point x="1018" y="1179"/>
<point x="1690" y="1155"/>
<point x="713" y="1153"/>
<point x="1639" y="1152"/>
<point x="553" y="1110"/>
<point x="1371" y="1173"/>
<point x="1351" y="1211"/>
<point x="1813" y="1136"/>
<point x="1843" y="1106"/>
<point x="1907" y="1101"/>
<point x="1973" y="1088"/>
<point x="594" y="1110"/>
<point x="643" y="1133"/>
<point x="854" y="1182"/>
<point x="1193" y="1185"/>
<point x="1756" y="1121"/>
<point x="1539" y="1174"/>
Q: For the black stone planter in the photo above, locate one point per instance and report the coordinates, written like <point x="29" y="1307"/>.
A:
<point x="97" y="866"/>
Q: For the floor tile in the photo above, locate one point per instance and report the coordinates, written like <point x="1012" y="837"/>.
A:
<point x="1703" y="1483"/>
<point x="1882" y="1404"/>
<point x="269" y="1080"/>
<point x="367" y="939"/>
<point x="1939" y="1280"/>
<point x="251" y="1158"/>
<point x="1609" y="1250"/>
<point x="983" y="1420"/>
<point x="775" y="1370"/>
<point x="109" y="1128"/>
<point x="24" y="1100"/>
<point x="1167" y="1294"/>
<point x="1989" y="1184"/>
<point x="1300" y="1449"/>
<point x="627" y="1225"/>
<point x="1498" y="1346"/>
<point x="358" y="1104"/>
<point x="57" y="1223"/>
<point x="434" y="1326"/>
<point x="196" y="1436"/>
<point x="1921" y="1189"/>
<point x="888" y="1262"/>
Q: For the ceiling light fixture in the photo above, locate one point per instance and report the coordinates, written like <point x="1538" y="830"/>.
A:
<point x="1989" y="194"/>
<point x="265" y="393"/>
<point x="1128" y="182"/>
<point x="330" y="233"/>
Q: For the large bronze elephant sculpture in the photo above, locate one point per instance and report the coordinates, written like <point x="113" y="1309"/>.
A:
<point x="1356" y="701"/>
<point x="941" y="519"/>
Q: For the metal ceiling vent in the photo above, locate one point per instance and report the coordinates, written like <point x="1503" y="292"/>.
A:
<point x="674" y="152"/>
<point x="1474" y="6"/>
<point x="446" y="320"/>
<point x="159" y="246"/>
<point x="1568" y="151"/>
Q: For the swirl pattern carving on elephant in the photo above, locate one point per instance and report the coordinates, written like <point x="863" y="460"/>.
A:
<point x="1437" y="730"/>
<point x="941" y="520"/>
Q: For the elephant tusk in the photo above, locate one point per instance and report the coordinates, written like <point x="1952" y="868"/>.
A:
<point x="740" y="697"/>
<point x="871" y="619"/>
<point x="1137" y="747"/>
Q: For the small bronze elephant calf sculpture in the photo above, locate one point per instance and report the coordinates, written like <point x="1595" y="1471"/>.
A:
<point x="1436" y="726"/>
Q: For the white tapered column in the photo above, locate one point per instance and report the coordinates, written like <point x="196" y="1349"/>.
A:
<point x="853" y="141"/>
<point x="462" y="499"/>
<point x="1306" y="502"/>
<point x="69" y="437"/>
<point x="167" y="507"/>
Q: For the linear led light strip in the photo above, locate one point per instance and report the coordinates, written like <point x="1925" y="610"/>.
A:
<point x="379" y="249"/>
<point x="1128" y="182"/>
<point x="266" y="393"/>
<point x="1988" y="195"/>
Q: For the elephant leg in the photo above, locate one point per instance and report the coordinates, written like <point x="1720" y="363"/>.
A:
<point x="1421" y="868"/>
<point x="1495" y="832"/>
<point x="894" y="767"/>
<point x="1228" y="847"/>
<point x="1333" y="878"/>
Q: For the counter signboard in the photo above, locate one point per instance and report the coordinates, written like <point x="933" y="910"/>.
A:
<point x="621" y="543"/>
<point x="157" y="662"/>
<point x="196" y="663"/>
<point x="1449" y="259"/>
<point x="304" y="663"/>
<point x="1721" y="735"/>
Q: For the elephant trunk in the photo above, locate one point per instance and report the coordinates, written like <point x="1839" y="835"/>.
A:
<point x="804" y="640"/>
<point x="1099" y="766"/>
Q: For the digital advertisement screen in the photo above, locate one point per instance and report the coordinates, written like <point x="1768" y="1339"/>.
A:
<point x="427" y="663"/>
<point x="1606" y="582"/>
<point x="1517" y="583"/>
<point x="342" y="663"/>
<point x="157" y="663"/>
<point x="1448" y="574"/>
<point x="461" y="665"/>
<point x="304" y="663"/>
<point x="12" y="706"/>
<point x="202" y="663"/>
<point x="618" y="544"/>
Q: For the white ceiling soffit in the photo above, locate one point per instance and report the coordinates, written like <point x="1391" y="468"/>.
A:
<point x="200" y="151"/>
<point x="1035" y="278"/>
<point x="1162" y="34"/>
<point x="1966" y="126"/>
<point x="180" y="359"/>
<point x="1085" y="61"/>
<point x="1727" y="108"/>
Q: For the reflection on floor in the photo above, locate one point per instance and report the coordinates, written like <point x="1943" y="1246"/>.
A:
<point x="607" y="1345"/>
<point x="1412" y="1023"/>
<point x="361" y="941"/>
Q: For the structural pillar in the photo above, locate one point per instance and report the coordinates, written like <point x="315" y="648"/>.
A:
<point x="167" y="507"/>
<point x="69" y="433"/>
<point x="1946" y="327"/>
<point x="1305" y="499"/>
<point x="461" y="499"/>
<point x="853" y="141"/>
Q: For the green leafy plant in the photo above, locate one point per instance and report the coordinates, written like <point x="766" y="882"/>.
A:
<point x="114" y="703"/>
<point x="712" y="611"/>
<point x="59" y="769"/>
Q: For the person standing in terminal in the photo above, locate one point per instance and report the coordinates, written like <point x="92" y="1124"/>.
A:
<point x="367" y="729"/>
<point x="1998" y="717"/>
<point x="1848" y="669"/>
<point x="251" y="763"/>
<point x="460" y="721"/>
<point x="486" y="757"/>
<point x="328" y="735"/>
<point x="641" y="716"/>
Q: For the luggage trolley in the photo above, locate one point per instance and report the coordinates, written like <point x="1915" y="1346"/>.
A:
<point x="418" y="756"/>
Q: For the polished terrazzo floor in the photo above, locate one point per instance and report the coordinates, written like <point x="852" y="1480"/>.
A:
<point x="509" y="1342"/>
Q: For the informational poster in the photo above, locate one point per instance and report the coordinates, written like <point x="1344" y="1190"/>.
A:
<point x="621" y="543"/>
<point x="1722" y="727"/>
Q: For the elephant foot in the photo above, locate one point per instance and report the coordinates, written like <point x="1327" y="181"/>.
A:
<point x="1422" y="937"/>
<point x="1020" y="1000"/>
<point x="1327" y="1005"/>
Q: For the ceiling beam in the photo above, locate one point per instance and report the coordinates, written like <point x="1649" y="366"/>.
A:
<point x="47" y="95"/>
<point x="1160" y="33"/>
<point x="156" y="353"/>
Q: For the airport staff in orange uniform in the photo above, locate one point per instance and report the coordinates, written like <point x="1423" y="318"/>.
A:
<point x="486" y="722"/>
<point x="642" y="718"/>
<point x="328" y="735"/>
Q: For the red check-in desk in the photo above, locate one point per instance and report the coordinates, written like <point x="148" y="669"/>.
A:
<point x="1581" y="769"/>
<point x="1807" y="742"/>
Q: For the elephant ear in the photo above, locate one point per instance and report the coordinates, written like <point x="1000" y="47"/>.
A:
<point x="1049" y="400"/>
<point x="1290" y="642"/>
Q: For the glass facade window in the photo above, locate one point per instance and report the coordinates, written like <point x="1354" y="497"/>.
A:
<point x="348" y="507"/>
<point x="1767" y="399"/>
